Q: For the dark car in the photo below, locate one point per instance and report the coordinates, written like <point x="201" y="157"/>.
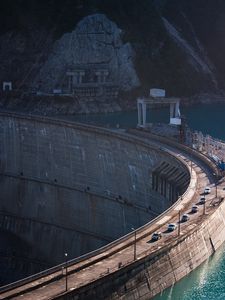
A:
<point x="194" y="209"/>
<point x="202" y="200"/>
<point x="156" y="236"/>
<point x="185" y="218"/>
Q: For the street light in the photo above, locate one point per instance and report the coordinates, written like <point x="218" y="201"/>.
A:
<point x="179" y="224"/>
<point x="204" y="204"/>
<point x="66" y="270"/>
<point x="216" y="175"/>
<point x="135" y="238"/>
<point x="216" y="187"/>
<point x="191" y="162"/>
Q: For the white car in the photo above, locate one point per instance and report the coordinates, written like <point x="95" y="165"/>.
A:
<point x="156" y="236"/>
<point x="207" y="190"/>
<point x="172" y="227"/>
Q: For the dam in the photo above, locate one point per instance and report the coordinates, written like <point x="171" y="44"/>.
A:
<point x="72" y="188"/>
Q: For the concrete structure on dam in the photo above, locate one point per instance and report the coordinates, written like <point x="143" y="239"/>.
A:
<point x="77" y="187"/>
<point x="73" y="188"/>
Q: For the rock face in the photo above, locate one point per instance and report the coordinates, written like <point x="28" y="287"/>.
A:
<point x="78" y="49"/>
<point x="92" y="59"/>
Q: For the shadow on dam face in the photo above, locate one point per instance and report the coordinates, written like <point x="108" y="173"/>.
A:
<point x="18" y="259"/>
<point x="72" y="188"/>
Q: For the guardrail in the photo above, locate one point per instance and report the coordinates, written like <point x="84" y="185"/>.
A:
<point x="192" y="152"/>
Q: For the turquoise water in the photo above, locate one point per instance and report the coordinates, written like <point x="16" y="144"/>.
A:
<point x="208" y="281"/>
<point x="207" y="118"/>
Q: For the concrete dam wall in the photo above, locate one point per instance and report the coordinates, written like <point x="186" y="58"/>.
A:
<point x="67" y="187"/>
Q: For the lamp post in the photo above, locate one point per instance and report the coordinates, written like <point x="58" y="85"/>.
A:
<point x="135" y="239"/>
<point x="66" y="271"/>
<point x="179" y="224"/>
<point x="216" y="175"/>
<point x="191" y="161"/>
<point x="216" y="187"/>
<point x="216" y="182"/>
<point x="204" y="204"/>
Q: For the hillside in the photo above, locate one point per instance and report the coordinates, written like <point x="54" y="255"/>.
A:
<point x="177" y="45"/>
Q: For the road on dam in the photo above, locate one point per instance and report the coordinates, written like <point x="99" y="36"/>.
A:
<point x="73" y="276"/>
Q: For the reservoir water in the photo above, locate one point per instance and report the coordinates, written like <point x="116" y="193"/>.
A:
<point x="208" y="281"/>
<point x="209" y="119"/>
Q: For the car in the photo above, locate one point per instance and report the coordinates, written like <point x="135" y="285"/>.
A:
<point x="171" y="227"/>
<point x="202" y="200"/>
<point x="207" y="190"/>
<point x="194" y="209"/>
<point x="156" y="236"/>
<point x="185" y="218"/>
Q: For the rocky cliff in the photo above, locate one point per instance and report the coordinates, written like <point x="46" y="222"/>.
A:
<point x="128" y="47"/>
<point x="94" y="49"/>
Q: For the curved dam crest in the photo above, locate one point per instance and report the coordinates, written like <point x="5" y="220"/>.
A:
<point x="67" y="187"/>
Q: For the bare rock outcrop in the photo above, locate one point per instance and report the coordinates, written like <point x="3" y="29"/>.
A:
<point x="91" y="56"/>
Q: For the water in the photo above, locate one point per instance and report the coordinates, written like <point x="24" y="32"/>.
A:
<point x="206" y="118"/>
<point x="209" y="119"/>
<point x="207" y="281"/>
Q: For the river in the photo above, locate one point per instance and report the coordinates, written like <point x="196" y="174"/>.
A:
<point x="207" y="281"/>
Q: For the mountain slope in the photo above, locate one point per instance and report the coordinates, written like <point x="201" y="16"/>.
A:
<point x="178" y="44"/>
